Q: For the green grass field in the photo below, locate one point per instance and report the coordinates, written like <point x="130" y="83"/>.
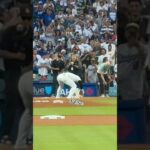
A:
<point x="98" y="137"/>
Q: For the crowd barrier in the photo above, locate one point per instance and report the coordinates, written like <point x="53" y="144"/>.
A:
<point x="46" y="89"/>
<point x="131" y="122"/>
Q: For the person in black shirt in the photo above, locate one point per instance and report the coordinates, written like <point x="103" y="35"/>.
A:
<point x="56" y="66"/>
<point x="9" y="55"/>
<point x="74" y="65"/>
<point x="16" y="39"/>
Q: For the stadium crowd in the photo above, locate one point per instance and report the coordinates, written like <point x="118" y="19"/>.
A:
<point x="78" y="34"/>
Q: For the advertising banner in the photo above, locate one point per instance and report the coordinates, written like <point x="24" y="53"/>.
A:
<point x="131" y="122"/>
<point x="46" y="89"/>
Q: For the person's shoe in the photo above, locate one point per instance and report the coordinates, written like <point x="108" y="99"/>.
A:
<point x="71" y="101"/>
<point x="102" y="95"/>
<point x="76" y="102"/>
<point x="53" y="96"/>
<point x="56" y="97"/>
<point x="107" y="95"/>
<point x="20" y="147"/>
<point x="29" y="141"/>
<point x="6" y="140"/>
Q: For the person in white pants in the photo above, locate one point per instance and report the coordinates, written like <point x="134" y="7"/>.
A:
<point x="25" y="125"/>
<point x="71" y="80"/>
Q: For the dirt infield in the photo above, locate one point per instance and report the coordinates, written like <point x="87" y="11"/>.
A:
<point x="134" y="147"/>
<point x="82" y="98"/>
<point x="10" y="147"/>
<point x="48" y="102"/>
<point x="77" y="120"/>
<point x="74" y="120"/>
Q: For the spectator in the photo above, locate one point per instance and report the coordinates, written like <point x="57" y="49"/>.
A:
<point x="16" y="38"/>
<point x="102" y="55"/>
<point x="111" y="54"/>
<point x="104" y="76"/>
<point x="43" y="65"/>
<point x="74" y="65"/>
<point x="48" y="17"/>
<point x="56" y="66"/>
<point x="131" y="57"/>
<point x="91" y="72"/>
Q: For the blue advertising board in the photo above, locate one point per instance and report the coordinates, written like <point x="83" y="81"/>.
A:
<point x="42" y="89"/>
<point x="91" y="89"/>
<point x="112" y="92"/>
<point x="131" y="122"/>
<point x="46" y="89"/>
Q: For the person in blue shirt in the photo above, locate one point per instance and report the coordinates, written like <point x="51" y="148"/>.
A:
<point x="39" y="11"/>
<point x="48" y="17"/>
<point x="42" y="1"/>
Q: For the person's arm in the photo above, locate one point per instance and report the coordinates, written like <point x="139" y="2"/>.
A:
<point x="13" y="21"/>
<point x="79" y="64"/>
<point x="100" y="72"/>
<point x="52" y="68"/>
<point x="113" y="53"/>
<point x="110" y="78"/>
<point x="42" y="22"/>
<point x="40" y="65"/>
<point x="86" y="75"/>
<point x="102" y="77"/>
<point x="10" y="55"/>
<point x="141" y="49"/>
<point x="43" y="66"/>
<point x="76" y="66"/>
<point x="85" y="56"/>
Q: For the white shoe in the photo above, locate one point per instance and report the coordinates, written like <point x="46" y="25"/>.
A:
<point x="53" y="95"/>
<point x="76" y="102"/>
<point x="102" y="95"/>
<point x="57" y="97"/>
<point x="107" y="95"/>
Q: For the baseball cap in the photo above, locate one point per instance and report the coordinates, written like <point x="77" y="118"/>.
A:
<point x="40" y="2"/>
<point x="63" y="51"/>
<point x="132" y="25"/>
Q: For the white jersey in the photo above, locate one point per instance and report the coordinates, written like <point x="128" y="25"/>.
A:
<point x="68" y="79"/>
<point x="105" y="45"/>
<point x="63" y="77"/>
<point x="92" y="74"/>
<point x="43" y="71"/>
<point x="131" y="72"/>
